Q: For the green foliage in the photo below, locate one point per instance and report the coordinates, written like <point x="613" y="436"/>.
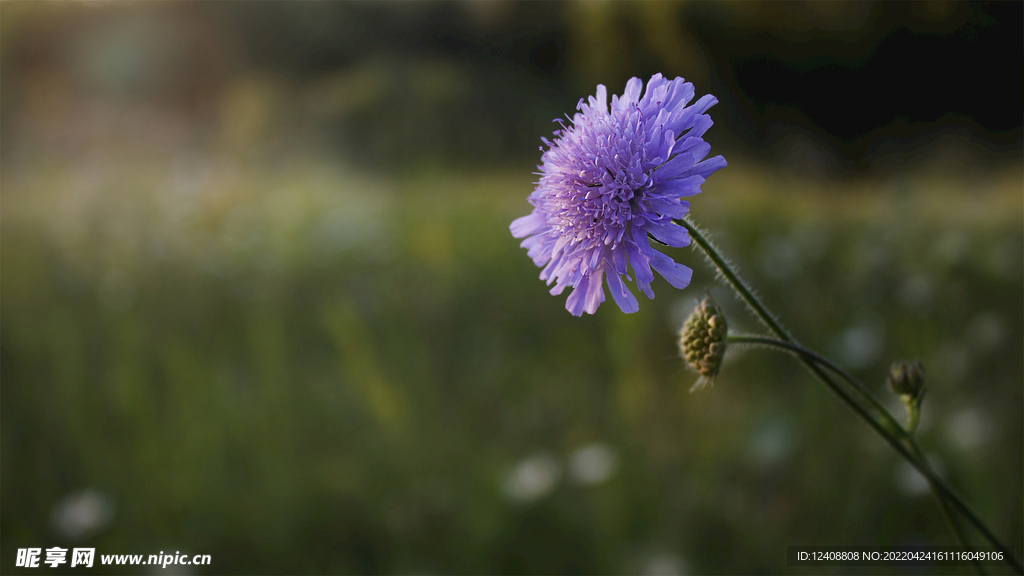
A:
<point x="300" y="369"/>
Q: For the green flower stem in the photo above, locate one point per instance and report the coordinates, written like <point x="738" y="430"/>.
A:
<point x="893" y="435"/>
<point x="913" y="416"/>
<point x="800" y="351"/>
<point x="888" y="422"/>
<point x="734" y="280"/>
<point x="947" y="514"/>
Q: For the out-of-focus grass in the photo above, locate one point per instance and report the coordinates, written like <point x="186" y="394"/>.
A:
<point x="299" y="367"/>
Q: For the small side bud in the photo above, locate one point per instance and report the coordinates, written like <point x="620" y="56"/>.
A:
<point x="906" y="380"/>
<point x="702" y="341"/>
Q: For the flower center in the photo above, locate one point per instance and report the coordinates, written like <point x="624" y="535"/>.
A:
<point x="600" y="204"/>
<point x="601" y="194"/>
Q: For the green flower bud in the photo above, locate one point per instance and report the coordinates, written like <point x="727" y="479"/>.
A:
<point x="702" y="341"/>
<point x="906" y="380"/>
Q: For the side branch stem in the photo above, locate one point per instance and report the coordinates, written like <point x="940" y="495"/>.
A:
<point x="800" y="351"/>
<point x="886" y="427"/>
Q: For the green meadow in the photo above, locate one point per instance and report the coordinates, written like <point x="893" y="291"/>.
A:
<point x="298" y="365"/>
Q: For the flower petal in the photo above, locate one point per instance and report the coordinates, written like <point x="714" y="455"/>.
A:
<point x="686" y="117"/>
<point x="620" y="263"/>
<point x="706" y="101"/>
<point x="699" y="149"/>
<point x="678" y="187"/>
<point x="595" y="292"/>
<point x="632" y="91"/>
<point x="621" y="294"/>
<point x="700" y="125"/>
<point x="679" y="93"/>
<point x="587" y="295"/>
<point x="669" y="207"/>
<point x="678" y="166"/>
<point x="657" y="88"/>
<point x="527" y="225"/>
<point x="709" y="166"/>
<point x="676" y="274"/>
<point x="640" y="254"/>
<point x="574" y="303"/>
<point x="599" y="101"/>
<point x="669" y="233"/>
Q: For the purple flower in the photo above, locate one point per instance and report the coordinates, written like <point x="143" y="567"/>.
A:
<point x="612" y="180"/>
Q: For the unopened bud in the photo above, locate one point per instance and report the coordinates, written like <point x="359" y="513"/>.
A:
<point x="702" y="340"/>
<point x="906" y="380"/>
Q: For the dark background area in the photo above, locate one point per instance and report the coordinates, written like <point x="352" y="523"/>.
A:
<point x="855" y="76"/>
<point x="260" y="299"/>
<point x="860" y="80"/>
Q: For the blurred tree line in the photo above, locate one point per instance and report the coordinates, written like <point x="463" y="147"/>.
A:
<point x="823" y="86"/>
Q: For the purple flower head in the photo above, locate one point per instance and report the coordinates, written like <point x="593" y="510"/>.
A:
<point x="612" y="180"/>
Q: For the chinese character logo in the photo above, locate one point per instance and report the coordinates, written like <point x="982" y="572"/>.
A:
<point x="83" y="557"/>
<point x="55" y="556"/>
<point x="28" y="557"/>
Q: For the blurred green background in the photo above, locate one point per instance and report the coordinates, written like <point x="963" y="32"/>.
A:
<point x="260" y="300"/>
